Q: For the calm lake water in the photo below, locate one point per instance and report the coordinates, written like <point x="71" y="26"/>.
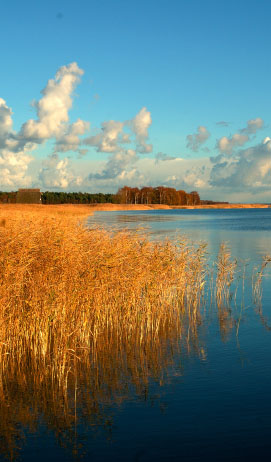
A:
<point x="208" y="402"/>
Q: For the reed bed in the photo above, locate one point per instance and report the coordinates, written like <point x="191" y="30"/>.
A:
<point x="66" y="290"/>
<point x="87" y="315"/>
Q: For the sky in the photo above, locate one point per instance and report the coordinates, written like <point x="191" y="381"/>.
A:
<point x="95" y="95"/>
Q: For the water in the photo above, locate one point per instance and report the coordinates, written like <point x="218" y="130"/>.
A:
<point x="246" y="230"/>
<point x="210" y="402"/>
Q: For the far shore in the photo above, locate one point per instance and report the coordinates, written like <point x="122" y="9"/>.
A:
<point x="115" y="207"/>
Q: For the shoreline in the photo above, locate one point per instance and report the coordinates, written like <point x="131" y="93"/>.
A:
<point x="86" y="209"/>
<point x="122" y="207"/>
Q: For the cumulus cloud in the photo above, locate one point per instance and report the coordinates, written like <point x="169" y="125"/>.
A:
<point x="250" y="169"/>
<point x="5" y="118"/>
<point x="180" y="173"/>
<point x="52" y="109"/>
<point x="196" y="140"/>
<point x="113" y="137"/>
<point x="118" y="171"/>
<point x="125" y="141"/>
<point x="52" y="123"/>
<point x="253" y="125"/>
<point x="113" y="134"/>
<point x="117" y="166"/>
<point x="194" y="178"/>
<point x="226" y="145"/>
<point x="14" y="156"/>
<point x="13" y="169"/>
<point x="56" y="173"/>
<point x="140" y="125"/>
<point x="109" y="138"/>
<point x="70" y="140"/>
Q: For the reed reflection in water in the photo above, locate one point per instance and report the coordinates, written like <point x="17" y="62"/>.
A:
<point x="115" y="372"/>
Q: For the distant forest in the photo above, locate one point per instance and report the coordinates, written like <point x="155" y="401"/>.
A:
<point x="125" y="195"/>
<point x="49" y="197"/>
<point x="158" y="195"/>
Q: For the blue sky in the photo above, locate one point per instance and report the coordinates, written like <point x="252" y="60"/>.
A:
<point x="167" y="71"/>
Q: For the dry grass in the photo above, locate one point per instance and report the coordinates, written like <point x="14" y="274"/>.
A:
<point x="30" y="212"/>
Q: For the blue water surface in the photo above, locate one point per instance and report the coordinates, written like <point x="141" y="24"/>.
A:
<point x="246" y="230"/>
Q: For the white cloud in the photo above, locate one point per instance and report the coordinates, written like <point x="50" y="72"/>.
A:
<point x="196" y="140"/>
<point x="112" y="139"/>
<point x="187" y="174"/>
<point x="233" y="169"/>
<point x="140" y="125"/>
<point x="109" y="137"/>
<point x="112" y="134"/>
<point x="56" y="173"/>
<point x="14" y="157"/>
<point x="248" y="170"/>
<point x="118" y="165"/>
<point x="13" y="169"/>
<point x="5" y="118"/>
<point x="192" y="179"/>
<point x="52" y="123"/>
<point x="70" y="141"/>
<point x="253" y="125"/>
<point x="52" y="108"/>
<point x="227" y="145"/>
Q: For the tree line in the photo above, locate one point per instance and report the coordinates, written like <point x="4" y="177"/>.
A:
<point x="125" y="195"/>
<point x="50" y="197"/>
<point x="157" y="195"/>
<point x="7" y="197"/>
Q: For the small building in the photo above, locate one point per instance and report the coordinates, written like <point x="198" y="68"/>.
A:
<point x="28" y="196"/>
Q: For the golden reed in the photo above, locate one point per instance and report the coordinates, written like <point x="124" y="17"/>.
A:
<point x="83" y="313"/>
<point x="65" y="289"/>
